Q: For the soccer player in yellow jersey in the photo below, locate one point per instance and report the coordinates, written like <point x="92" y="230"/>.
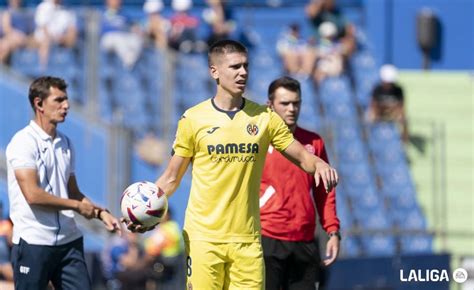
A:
<point x="226" y="139"/>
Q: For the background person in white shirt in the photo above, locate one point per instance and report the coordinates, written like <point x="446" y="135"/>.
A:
<point x="43" y="195"/>
<point x="55" y="25"/>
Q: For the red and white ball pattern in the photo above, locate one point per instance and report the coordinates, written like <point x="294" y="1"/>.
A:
<point x="143" y="203"/>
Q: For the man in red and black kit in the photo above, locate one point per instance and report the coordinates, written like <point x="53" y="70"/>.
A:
<point x="287" y="204"/>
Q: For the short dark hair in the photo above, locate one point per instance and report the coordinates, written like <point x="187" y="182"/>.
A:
<point x="225" y="46"/>
<point x="286" y="82"/>
<point x="39" y="88"/>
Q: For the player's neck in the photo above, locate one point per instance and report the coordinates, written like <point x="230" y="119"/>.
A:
<point x="48" y="127"/>
<point x="292" y="128"/>
<point x="228" y="102"/>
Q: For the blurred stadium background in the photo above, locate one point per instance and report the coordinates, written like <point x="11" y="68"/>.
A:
<point x="402" y="206"/>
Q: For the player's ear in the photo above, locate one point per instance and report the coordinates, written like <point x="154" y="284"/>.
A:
<point x="38" y="104"/>
<point x="270" y="104"/>
<point x="214" y="72"/>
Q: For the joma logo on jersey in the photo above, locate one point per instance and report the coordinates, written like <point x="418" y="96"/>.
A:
<point x="231" y="148"/>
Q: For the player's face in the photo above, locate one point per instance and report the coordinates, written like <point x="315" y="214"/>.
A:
<point x="287" y="105"/>
<point x="231" y="71"/>
<point x="55" y="107"/>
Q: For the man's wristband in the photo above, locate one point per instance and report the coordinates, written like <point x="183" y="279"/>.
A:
<point x="100" y="211"/>
<point x="335" y="233"/>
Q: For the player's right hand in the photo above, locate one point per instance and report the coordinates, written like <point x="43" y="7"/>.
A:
<point x="134" y="227"/>
<point x="86" y="209"/>
<point x="327" y="174"/>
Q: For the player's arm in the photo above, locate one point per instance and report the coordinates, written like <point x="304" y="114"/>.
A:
<point x="28" y="181"/>
<point x="171" y="177"/>
<point x="297" y="154"/>
<point x="326" y="206"/>
<point x="111" y="223"/>
<point x="168" y="182"/>
<point x="84" y="203"/>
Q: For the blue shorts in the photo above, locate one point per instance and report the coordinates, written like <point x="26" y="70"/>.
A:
<point x="35" y="265"/>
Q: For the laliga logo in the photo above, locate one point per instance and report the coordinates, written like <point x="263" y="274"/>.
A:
<point x="433" y="275"/>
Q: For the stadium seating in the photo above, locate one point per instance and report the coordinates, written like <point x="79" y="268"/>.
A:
<point x="376" y="191"/>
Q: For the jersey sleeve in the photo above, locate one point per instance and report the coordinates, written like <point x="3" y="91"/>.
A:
<point x="22" y="153"/>
<point x="280" y="135"/>
<point x="184" y="143"/>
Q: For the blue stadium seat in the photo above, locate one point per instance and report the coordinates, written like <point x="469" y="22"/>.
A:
<point x="343" y="210"/>
<point x="410" y="219"/>
<point x="416" y="244"/>
<point x="350" y="246"/>
<point x="26" y="61"/>
<point x="61" y="57"/>
<point x="4" y="202"/>
<point x="363" y="62"/>
<point x="376" y="219"/>
<point x="357" y="175"/>
<point x="395" y="176"/>
<point x="351" y="152"/>
<point x="365" y="199"/>
<point x="339" y="111"/>
<point x="310" y="116"/>
<point x="191" y="85"/>
<point x="405" y="201"/>
<point x="348" y="132"/>
<point x="379" y="245"/>
<point x="384" y="132"/>
<point x="364" y="88"/>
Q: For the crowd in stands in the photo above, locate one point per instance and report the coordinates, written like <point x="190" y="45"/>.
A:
<point x="15" y="29"/>
<point x="326" y="51"/>
<point x="152" y="262"/>
<point x="50" y="25"/>
<point x="387" y="102"/>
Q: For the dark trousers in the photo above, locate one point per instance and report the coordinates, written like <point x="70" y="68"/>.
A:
<point x="34" y="266"/>
<point x="290" y="265"/>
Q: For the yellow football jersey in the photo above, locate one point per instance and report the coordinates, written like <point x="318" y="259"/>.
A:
<point x="228" y="153"/>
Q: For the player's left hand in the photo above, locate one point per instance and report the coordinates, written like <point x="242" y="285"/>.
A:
<point x="111" y="223"/>
<point x="134" y="227"/>
<point x="332" y="251"/>
<point x="327" y="174"/>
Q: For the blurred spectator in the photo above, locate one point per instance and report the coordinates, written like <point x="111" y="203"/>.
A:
<point x="55" y="25"/>
<point x="220" y="18"/>
<point x="152" y="150"/>
<point x="156" y="26"/>
<point x="183" y="34"/>
<point x="166" y="245"/>
<point x="297" y="55"/>
<point x="387" y="102"/>
<point x="320" y="11"/>
<point x="329" y="53"/>
<point x="125" y="264"/>
<point x="120" y="35"/>
<point x="16" y="28"/>
<point x="6" y="270"/>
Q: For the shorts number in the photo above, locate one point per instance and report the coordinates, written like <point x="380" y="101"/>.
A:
<point x="188" y="266"/>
